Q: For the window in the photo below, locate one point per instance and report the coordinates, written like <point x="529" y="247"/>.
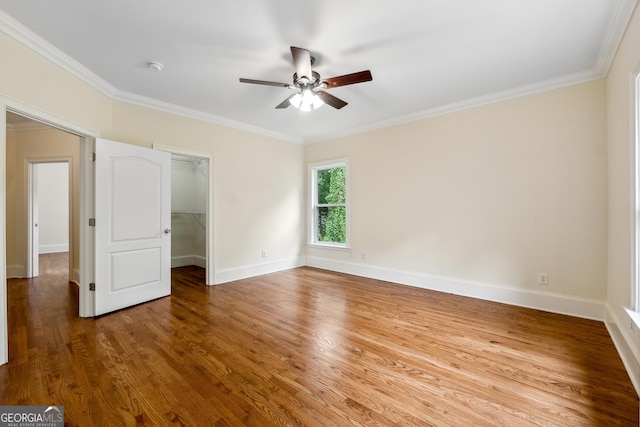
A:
<point x="329" y="215"/>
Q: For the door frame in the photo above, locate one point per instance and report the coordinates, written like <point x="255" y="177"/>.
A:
<point x="87" y="137"/>
<point x="32" y="215"/>
<point x="209" y="204"/>
<point x="33" y="266"/>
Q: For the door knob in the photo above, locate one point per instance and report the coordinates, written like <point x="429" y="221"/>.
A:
<point x="167" y="230"/>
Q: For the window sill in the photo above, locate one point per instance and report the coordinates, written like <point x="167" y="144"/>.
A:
<point x="635" y="316"/>
<point x="329" y="246"/>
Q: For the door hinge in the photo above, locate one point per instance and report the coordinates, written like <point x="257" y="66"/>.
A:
<point x="92" y="157"/>
<point x="92" y="286"/>
<point x="92" y="222"/>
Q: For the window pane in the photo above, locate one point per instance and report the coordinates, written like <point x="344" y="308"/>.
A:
<point x="332" y="224"/>
<point x="331" y="185"/>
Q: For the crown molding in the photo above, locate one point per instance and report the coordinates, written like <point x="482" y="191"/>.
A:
<point x="616" y="28"/>
<point x="468" y="104"/>
<point x="22" y="34"/>
<point x="131" y="98"/>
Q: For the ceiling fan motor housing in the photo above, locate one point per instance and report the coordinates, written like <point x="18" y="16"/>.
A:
<point x="304" y="81"/>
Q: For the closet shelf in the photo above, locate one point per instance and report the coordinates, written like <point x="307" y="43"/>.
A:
<point x="197" y="216"/>
<point x="187" y="212"/>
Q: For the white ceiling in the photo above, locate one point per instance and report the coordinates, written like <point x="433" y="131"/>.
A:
<point x="426" y="56"/>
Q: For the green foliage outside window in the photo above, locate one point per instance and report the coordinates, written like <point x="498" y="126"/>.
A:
<point x="332" y="220"/>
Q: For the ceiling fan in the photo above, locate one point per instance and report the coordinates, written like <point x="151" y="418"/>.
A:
<point x="309" y="86"/>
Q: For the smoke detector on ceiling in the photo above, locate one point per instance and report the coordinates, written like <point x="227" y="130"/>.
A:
<point x="155" y="66"/>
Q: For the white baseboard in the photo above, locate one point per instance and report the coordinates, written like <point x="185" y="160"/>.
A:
<point x="16" y="271"/>
<point x="224" y="276"/>
<point x="621" y="339"/>
<point x="547" y="301"/>
<point x="184" y="260"/>
<point x="51" y="249"/>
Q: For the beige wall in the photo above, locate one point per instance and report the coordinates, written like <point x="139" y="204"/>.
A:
<point x="258" y="183"/>
<point x="37" y="145"/>
<point x="620" y="100"/>
<point x="491" y="195"/>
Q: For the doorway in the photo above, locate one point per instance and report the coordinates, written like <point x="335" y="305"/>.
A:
<point x="30" y="143"/>
<point x="47" y="139"/>
<point x="50" y="228"/>
<point x="188" y="211"/>
<point x="192" y="209"/>
<point x="14" y="114"/>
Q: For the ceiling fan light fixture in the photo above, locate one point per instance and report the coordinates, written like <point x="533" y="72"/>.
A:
<point x="306" y="100"/>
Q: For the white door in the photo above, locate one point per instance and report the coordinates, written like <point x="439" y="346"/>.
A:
<point x="33" y="265"/>
<point x="132" y="225"/>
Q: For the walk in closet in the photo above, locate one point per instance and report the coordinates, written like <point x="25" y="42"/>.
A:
<point x="188" y="211"/>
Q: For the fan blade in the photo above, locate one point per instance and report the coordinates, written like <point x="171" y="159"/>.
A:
<point x="302" y="62"/>
<point x="348" y="79"/>
<point x="286" y="103"/>
<point x="331" y="100"/>
<point x="264" y="82"/>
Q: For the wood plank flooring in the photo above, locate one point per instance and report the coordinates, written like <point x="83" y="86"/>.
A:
<point x="308" y="347"/>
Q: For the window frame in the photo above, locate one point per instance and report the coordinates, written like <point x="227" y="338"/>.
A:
<point x="314" y="205"/>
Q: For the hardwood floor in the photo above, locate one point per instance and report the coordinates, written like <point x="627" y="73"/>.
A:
<point x="308" y="347"/>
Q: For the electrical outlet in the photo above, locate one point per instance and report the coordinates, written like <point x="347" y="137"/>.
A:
<point x="364" y="255"/>
<point x="543" y="279"/>
<point x="264" y="254"/>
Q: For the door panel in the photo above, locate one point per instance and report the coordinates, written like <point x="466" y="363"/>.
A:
<point x="135" y="268"/>
<point x="137" y="199"/>
<point x="133" y="218"/>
